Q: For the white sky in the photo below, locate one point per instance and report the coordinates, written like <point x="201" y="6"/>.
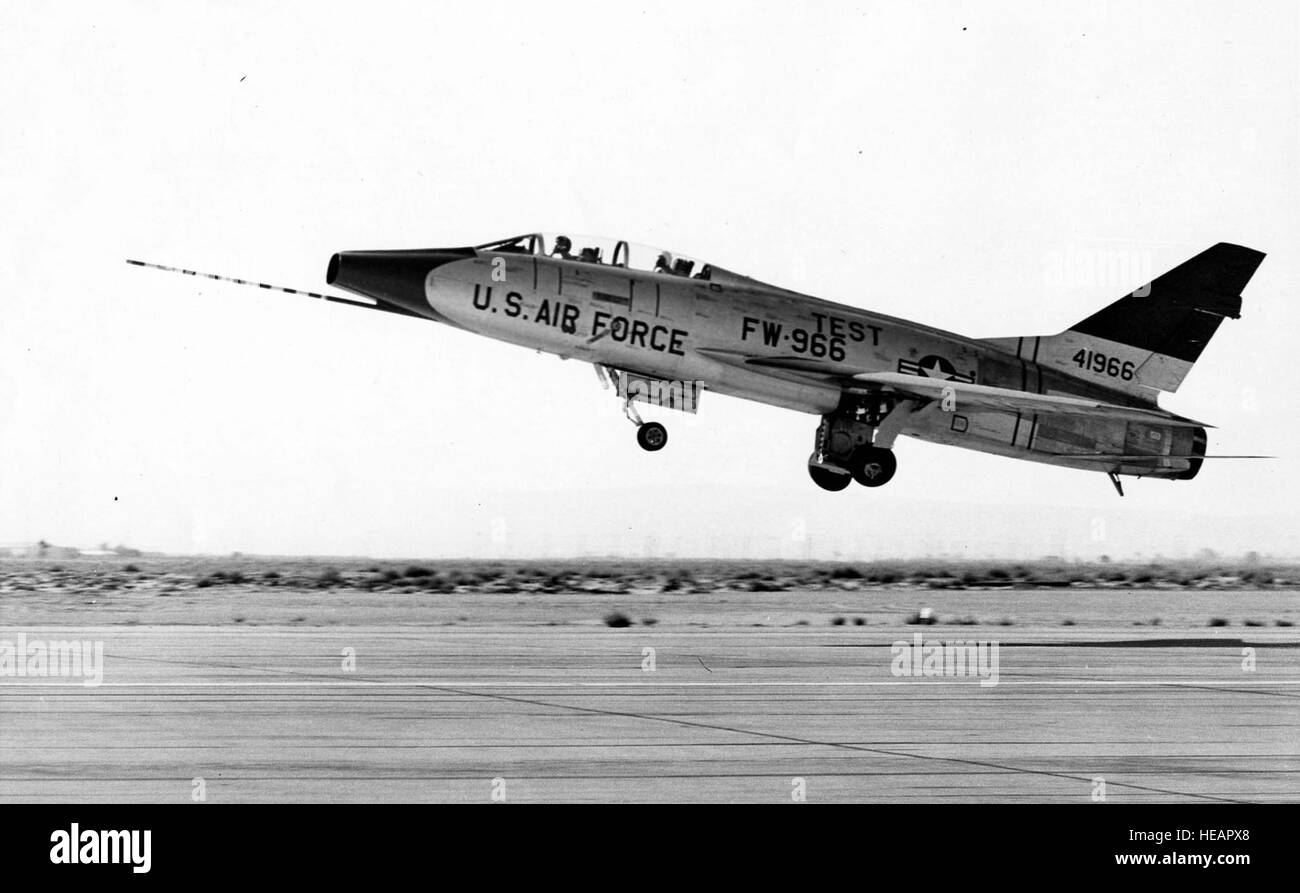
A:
<point x="931" y="161"/>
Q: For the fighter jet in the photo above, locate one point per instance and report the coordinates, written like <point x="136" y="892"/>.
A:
<point x="662" y="328"/>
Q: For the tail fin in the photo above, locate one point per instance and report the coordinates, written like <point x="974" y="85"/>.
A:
<point x="1149" y="339"/>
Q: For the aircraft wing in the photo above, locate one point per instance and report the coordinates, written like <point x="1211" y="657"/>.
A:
<point x="972" y="396"/>
<point x="976" y="396"/>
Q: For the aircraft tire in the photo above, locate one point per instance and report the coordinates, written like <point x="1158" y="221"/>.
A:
<point x="827" y="479"/>
<point x="873" y="466"/>
<point x="651" y="436"/>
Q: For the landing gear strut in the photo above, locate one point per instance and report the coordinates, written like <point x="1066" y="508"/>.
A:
<point x="853" y="444"/>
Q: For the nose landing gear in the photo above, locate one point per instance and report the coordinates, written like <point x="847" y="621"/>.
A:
<point x="651" y="436"/>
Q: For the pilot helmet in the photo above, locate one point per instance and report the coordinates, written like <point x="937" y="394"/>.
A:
<point x="562" y="243"/>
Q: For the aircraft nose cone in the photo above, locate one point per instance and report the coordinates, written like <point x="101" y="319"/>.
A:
<point x="394" y="277"/>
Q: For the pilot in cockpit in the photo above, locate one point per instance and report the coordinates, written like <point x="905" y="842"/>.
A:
<point x="664" y="264"/>
<point x="563" y="248"/>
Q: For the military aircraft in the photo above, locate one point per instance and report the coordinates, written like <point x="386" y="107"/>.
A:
<point x="661" y="328"/>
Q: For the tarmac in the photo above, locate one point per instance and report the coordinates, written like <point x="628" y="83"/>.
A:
<point x="722" y="700"/>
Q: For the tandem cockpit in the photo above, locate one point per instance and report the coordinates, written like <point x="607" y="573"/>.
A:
<point x="603" y="251"/>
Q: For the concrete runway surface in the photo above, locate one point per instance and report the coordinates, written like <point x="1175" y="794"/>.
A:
<point x="743" y="703"/>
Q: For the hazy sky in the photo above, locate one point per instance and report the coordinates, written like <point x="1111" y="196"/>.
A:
<point x="957" y="164"/>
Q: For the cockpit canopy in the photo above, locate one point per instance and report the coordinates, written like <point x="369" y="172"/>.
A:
<point x="605" y="251"/>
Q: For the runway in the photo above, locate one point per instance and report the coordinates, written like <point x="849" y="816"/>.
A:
<point x="684" y="710"/>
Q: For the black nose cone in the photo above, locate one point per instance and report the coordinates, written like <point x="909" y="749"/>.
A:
<point x="392" y="277"/>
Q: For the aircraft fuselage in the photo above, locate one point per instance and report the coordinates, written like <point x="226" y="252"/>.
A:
<point x="683" y="329"/>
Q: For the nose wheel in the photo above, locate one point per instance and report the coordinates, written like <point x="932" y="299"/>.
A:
<point x="651" y="436"/>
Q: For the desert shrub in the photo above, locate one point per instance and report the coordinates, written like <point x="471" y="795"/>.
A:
<point x="617" y="620"/>
<point x="676" y="580"/>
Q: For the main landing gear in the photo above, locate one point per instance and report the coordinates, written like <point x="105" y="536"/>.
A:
<point x="870" y="466"/>
<point x="853" y="444"/>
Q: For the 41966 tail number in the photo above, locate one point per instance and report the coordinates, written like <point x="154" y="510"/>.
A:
<point x="1104" y="365"/>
